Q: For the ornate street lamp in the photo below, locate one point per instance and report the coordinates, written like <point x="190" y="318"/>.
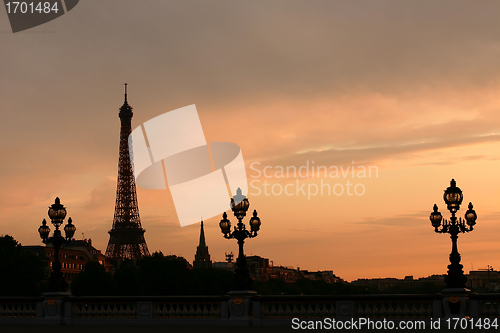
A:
<point x="453" y="198"/>
<point x="57" y="213"/>
<point x="239" y="206"/>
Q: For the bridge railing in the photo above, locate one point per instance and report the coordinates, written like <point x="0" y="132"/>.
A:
<point x="217" y="310"/>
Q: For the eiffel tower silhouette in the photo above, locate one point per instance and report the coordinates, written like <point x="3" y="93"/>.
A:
<point x="126" y="238"/>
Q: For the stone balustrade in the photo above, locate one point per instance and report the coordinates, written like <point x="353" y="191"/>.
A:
<point x="253" y="310"/>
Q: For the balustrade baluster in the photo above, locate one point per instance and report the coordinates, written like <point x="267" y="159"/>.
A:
<point x="185" y="310"/>
<point x="368" y="311"/>
<point x="295" y="310"/>
<point x="303" y="310"/>
<point x="414" y="311"/>
<point x="376" y="310"/>
<point x="430" y="310"/>
<point x="399" y="311"/>
<point x="492" y="310"/>
<point x="317" y="309"/>
<point x="406" y="311"/>
<point x="192" y="310"/>
<point x="281" y="311"/>
<point x="288" y="311"/>
<point x="215" y="310"/>
<point x="199" y="312"/>
<point x="274" y="312"/>
<point x="359" y="311"/>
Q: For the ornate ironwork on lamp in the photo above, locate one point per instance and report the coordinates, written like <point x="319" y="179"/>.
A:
<point x="239" y="206"/>
<point x="69" y="229"/>
<point x="255" y="222"/>
<point x="225" y="224"/>
<point x="453" y="198"/>
<point x="44" y="230"/>
<point x="57" y="213"/>
<point x="471" y="216"/>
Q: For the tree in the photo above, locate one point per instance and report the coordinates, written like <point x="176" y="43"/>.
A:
<point x="163" y="275"/>
<point x="126" y="279"/>
<point x="210" y="281"/>
<point x="21" y="272"/>
<point x="93" y="281"/>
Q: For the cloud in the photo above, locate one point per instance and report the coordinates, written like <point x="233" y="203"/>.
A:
<point x="372" y="155"/>
<point x="460" y="159"/>
<point x="400" y="220"/>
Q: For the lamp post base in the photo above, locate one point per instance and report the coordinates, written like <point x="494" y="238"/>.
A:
<point x="239" y="306"/>
<point x="455" y="302"/>
<point x="54" y="306"/>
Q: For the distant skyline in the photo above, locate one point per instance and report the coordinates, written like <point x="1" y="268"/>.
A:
<point x="410" y="89"/>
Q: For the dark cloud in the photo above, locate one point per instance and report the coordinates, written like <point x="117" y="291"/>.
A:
<point x="66" y="87"/>
<point x="263" y="49"/>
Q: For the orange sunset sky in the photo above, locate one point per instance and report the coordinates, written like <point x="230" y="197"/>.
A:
<point x="411" y="89"/>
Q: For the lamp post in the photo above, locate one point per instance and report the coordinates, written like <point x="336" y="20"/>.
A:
<point x="57" y="213"/>
<point x="453" y="198"/>
<point x="239" y="206"/>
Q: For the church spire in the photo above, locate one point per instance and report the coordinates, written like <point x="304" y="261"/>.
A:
<point x="202" y="257"/>
<point x="202" y="237"/>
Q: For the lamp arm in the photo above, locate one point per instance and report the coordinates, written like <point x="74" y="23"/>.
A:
<point x="247" y="234"/>
<point x="468" y="229"/>
<point x="444" y="229"/>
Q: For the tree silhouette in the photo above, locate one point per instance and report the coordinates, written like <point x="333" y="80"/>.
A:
<point x="126" y="280"/>
<point x="21" y="272"/>
<point x="93" y="281"/>
<point x="210" y="281"/>
<point x="162" y="275"/>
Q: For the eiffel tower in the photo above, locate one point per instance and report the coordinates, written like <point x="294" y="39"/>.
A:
<point x="126" y="238"/>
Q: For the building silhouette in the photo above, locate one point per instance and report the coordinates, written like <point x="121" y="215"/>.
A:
<point x="387" y="284"/>
<point x="202" y="257"/>
<point x="73" y="257"/>
<point x="229" y="264"/>
<point x="484" y="280"/>
<point x="263" y="269"/>
<point x="126" y="238"/>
